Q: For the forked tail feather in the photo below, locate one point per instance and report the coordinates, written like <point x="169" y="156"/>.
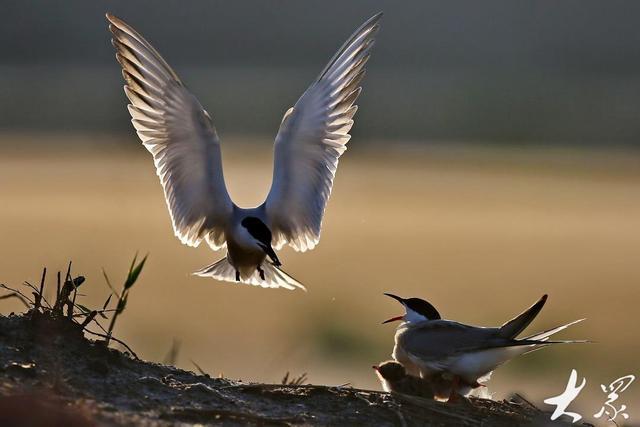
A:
<point x="273" y="276"/>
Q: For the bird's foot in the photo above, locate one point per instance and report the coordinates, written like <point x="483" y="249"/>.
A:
<point x="261" y="272"/>
<point x="237" y="276"/>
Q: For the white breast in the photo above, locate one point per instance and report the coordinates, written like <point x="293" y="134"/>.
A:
<point x="401" y="356"/>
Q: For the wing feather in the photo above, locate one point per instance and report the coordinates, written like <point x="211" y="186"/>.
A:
<point x="180" y="135"/>
<point x="441" y="339"/>
<point x="312" y="136"/>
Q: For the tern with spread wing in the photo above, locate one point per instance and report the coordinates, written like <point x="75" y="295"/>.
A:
<point x="181" y="136"/>
<point x="431" y="347"/>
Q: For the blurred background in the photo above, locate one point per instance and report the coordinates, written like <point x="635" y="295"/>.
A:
<point x="495" y="157"/>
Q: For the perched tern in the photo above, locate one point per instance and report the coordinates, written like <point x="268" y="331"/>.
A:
<point x="181" y="136"/>
<point x="429" y="346"/>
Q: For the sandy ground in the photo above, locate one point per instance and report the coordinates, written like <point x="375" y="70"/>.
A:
<point x="481" y="233"/>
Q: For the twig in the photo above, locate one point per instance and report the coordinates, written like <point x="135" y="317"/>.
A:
<point x="17" y="296"/>
<point x="39" y="292"/>
<point x="110" y="310"/>
<point x="100" y="326"/>
<point x="57" y="293"/>
<point x="294" y="381"/>
<point x="116" y="340"/>
<point x="68" y="275"/>
<point x="44" y="275"/>
<point x="18" y="292"/>
<point x="88" y="319"/>
<point x="200" y="370"/>
<point x="72" y="303"/>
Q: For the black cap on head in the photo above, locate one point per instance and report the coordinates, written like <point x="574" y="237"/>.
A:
<point x="423" y="307"/>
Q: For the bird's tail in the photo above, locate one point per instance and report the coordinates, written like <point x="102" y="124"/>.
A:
<point x="513" y="327"/>
<point x="490" y="358"/>
<point x="541" y="339"/>
<point x="273" y="277"/>
<point x="544" y="336"/>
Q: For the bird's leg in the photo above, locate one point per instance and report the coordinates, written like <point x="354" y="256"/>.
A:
<point x="271" y="254"/>
<point x="237" y="276"/>
<point x="261" y="272"/>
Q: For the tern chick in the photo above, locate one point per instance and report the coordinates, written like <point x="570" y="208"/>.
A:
<point x="394" y="378"/>
<point x="182" y="138"/>
<point x="429" y="346"/>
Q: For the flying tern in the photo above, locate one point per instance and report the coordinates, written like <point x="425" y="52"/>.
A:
<point x="429" y="346"/>
<point x="182" y="138"/>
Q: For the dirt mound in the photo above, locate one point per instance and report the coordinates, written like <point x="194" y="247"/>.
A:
<point x="50" y="374"/>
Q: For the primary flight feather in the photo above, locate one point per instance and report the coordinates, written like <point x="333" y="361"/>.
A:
<point x="180" y="135"/>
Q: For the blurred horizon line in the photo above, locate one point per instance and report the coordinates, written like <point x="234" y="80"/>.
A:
<point x="409" y="104"/>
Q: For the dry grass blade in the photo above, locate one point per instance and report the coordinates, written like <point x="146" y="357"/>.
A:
<point x="198" y="368"/>
<point x="172" y="355"/>
<point x="114" y="339"/>
<point x="38" y="294"/>
<point x="294" y="381"/>
<point x="18" y="293"/>
<point x="88" y="319"/>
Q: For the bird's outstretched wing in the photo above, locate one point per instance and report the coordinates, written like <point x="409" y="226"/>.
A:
<point x="312" y="136"/>
<point x="179" y="133"/>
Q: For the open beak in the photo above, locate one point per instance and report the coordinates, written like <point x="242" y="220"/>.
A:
<point x="375" y="367"/>
<point x="401" y="301"/>
<point x="393" y="319"/>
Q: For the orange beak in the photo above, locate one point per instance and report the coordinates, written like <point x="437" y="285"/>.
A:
<point x="393" y="319"/>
